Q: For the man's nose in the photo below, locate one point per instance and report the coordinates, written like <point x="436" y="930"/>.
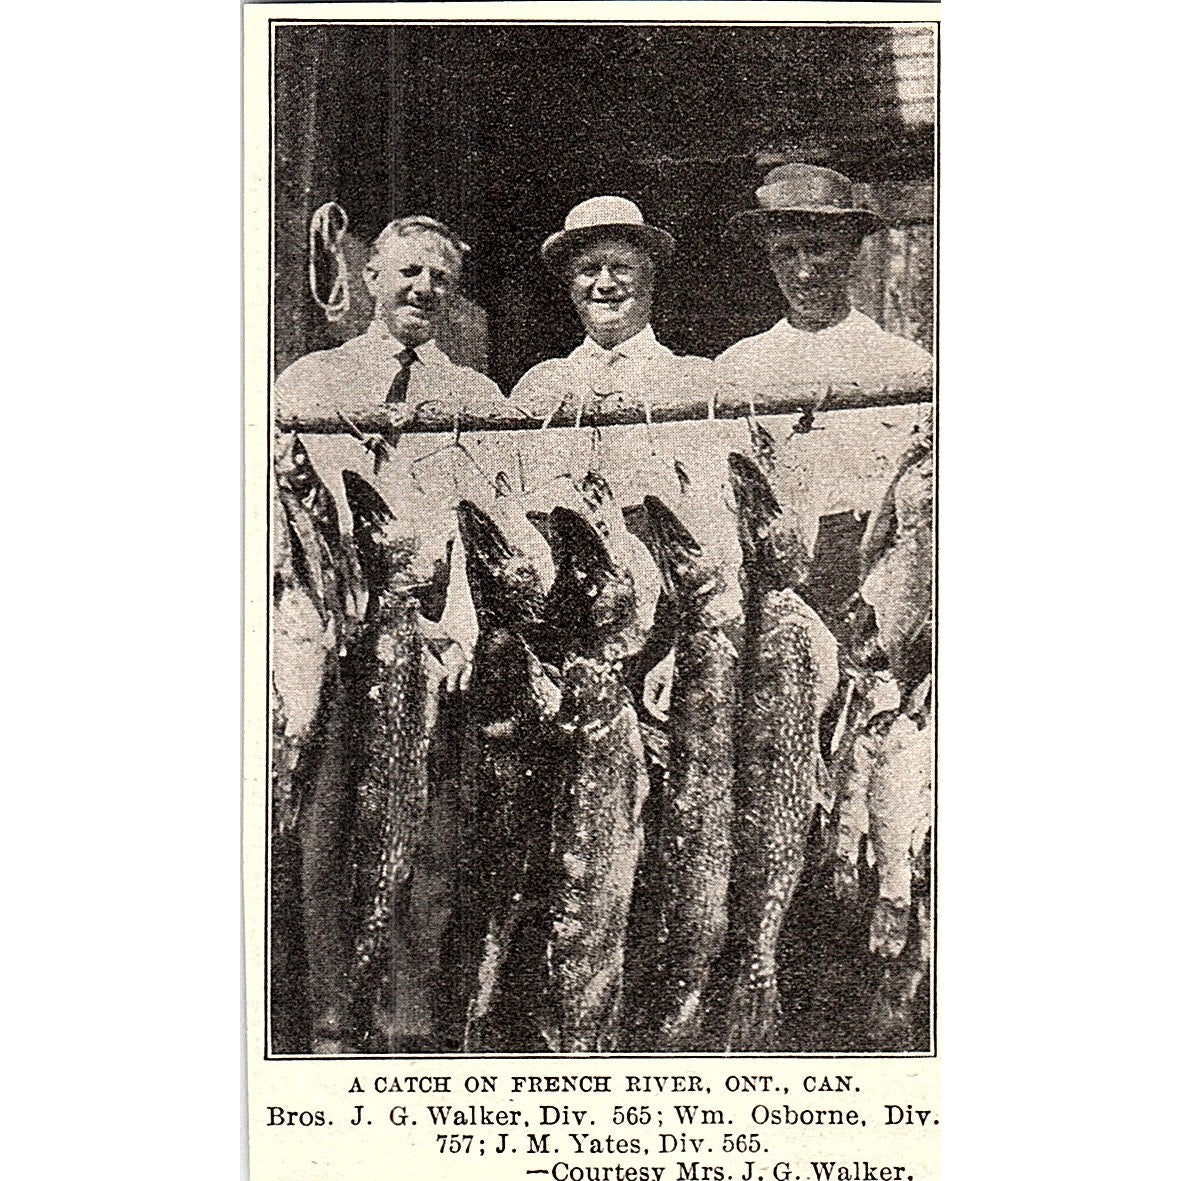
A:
<point x="604" y="280"/>
<point x="424" y="285"/>
<point x="802" y="266"/>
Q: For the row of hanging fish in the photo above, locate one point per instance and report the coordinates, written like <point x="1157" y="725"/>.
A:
<point x="554" y="774"/>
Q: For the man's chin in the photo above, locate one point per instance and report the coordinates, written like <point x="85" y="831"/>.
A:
<point x="413" y="329"/>
<point x="814" y="309"/>
<point x="616" y="321"/>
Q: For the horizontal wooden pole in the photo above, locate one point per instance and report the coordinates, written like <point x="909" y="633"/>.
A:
<point x="732" y="402"/>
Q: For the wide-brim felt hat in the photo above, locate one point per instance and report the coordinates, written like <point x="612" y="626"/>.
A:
<point x="606" y="217"/>
<point x="795" y="193"/>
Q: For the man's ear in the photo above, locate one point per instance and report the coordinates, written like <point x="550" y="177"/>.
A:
<point x="371" y="273"/>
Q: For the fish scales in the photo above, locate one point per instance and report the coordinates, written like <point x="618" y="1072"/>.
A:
<point x="596" y="844"/>
<point x="694" y="849"/>
<point x="777" y="763"/>
<point x="695" y="845"/>
<point x="390" y="740"/>
<point x="510" y="746"/>
<point x="774" y="788"/>
<point x="596" y="829"/>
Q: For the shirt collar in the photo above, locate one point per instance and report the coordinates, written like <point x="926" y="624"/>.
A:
<point x="428" y="352"/>
<point x="640" y="347"/>
<point x="851" y="322"/>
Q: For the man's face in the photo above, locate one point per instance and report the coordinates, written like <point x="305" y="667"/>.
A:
<point x="611" y="283"/>
<point x="812" y="265"/>
<point x="410" y="279"/>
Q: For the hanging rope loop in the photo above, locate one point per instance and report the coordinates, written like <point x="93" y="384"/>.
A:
<point x="326" y="230"/>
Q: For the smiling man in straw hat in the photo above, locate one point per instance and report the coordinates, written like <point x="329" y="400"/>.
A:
<point x="607" y="256"/>
<point x="811" y="228"/>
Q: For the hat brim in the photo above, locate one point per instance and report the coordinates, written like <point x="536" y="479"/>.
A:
<point x="657" y="242"/>
<point x="866" y="220"/>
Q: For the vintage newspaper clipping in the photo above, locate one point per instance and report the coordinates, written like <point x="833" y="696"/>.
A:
<point x="589" y="813"/>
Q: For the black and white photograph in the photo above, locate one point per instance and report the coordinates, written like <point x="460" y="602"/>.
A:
<point x="601" y="647"/>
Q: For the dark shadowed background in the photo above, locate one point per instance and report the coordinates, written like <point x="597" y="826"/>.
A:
<point x="499" y="129"/>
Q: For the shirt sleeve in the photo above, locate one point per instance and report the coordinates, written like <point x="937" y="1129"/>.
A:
<point x="299" y="384"/>
<point x="539" y="392"/>
<point x="479" y="394"/>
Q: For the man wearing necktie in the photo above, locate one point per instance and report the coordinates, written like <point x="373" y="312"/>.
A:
<point x="414" y="267"/>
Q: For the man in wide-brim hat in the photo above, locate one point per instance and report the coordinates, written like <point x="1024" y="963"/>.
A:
<point x="811" y="226"/>
<point x="608" y="257"/>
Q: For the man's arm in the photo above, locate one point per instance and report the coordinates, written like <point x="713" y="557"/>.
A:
<point x="540" y="393"/>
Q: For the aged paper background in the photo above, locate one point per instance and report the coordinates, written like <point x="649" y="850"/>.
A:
<point x="396" y="1135"/>
<point x="123" y="1042"/>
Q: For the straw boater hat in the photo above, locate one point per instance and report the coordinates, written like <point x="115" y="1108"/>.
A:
<point x="805" y="192"/>
<point x="601" y="217"/>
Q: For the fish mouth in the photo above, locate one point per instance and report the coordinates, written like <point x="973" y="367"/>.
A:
<point x="751" y="487"/>
<point x="384" y="556"/>
<point x="481" y="536"/>
<point x="576" y="542"/>
<point x="671" y="535"/>
<point x="677" y="550"/>
<point x="367" y="505"/>
<point x="757" y="506"/>
<point x="504" y="583"/>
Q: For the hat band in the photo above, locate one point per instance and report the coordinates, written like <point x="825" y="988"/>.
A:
<point x="822" y="198"/>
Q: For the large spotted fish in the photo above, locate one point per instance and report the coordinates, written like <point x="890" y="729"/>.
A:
<point x="316" y="600"/>
<point x="777" y="758"/>
<point x="508" y="783"/>
<point x="692" y="870"/>
<point x="596" y="829"/>
<point x="389" y="742"/>
<point x="315" y="604"/>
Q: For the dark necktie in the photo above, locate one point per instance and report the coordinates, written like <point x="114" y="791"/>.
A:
<point x="401" y="383"/>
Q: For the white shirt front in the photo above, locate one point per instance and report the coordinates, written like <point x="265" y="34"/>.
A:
<point x="361" y="370"/>
<point x="846" y="464"/>
<point x="596" y="378"/>
<point x="855" y="350"/>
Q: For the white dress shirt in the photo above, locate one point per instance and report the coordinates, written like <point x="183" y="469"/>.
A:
<point x="361" y="370"/>
<point x="593" y="378"/>
<point x="855" y="350"/>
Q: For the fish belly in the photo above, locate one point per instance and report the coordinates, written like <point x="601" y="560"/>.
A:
<point x="695" y="830"/>
<point x="390" y="805"/>
<point x="596" y="842"/>
<point x="774" y="788"/>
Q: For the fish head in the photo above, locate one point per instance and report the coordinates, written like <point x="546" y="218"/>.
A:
<point x="678" y="552"/>
<point x="591" y="598"/>
<point x="384" y="551"/>
<point x="506" y="587"/>
<point x="771" y="544"/>
<point x="762" y="445"/>
<point x="293" y="468"/>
